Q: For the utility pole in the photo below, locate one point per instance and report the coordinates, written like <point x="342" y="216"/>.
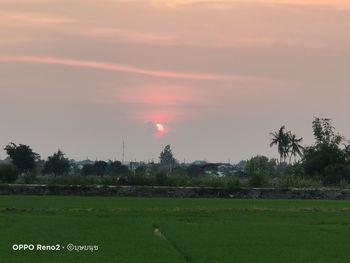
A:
<point x="123" y="158"/>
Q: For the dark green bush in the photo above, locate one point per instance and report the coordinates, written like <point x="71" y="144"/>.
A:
<point x="162" y="179"/>
<point x="70" y="180"/>
<point x="30" y="177"/>
<point x="211" y="181"/>
<point x="141" y="179"/>
<point x="258" y="180"/>
<point x="296" y="170"/>
<point x="8" y="173"/>
<point x="337" y="173"/>
<point x="298" y="182"/>
<point x="178" y="180"/>
<point x="232" y="182"/>
<point x="109" y="180"/>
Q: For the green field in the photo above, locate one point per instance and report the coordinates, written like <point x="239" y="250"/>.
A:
<point x="175" y="230"/>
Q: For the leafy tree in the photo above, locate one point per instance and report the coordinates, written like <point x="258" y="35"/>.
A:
<point x="100" y="167"/>
<point x="114" y="166"/>
<point x="324" y="133"/>
<point x="318" y="158"/>
<point x="260" y="168"/>
<point x="167" y="159"/>
<point x="117" y="168"/>
<point x="22" y="156"/>
<point x="329" y="157"/>
<point x="57" y="164"/>
<point x="261" y="165"/>
<point x="88" y="169"/>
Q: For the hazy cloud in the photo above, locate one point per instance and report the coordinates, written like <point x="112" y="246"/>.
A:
<point x="118" y="68"/>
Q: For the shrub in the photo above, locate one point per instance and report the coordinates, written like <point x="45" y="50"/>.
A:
<point x="71" y="180"/>
<point x="296" y="170"/>
<point x="232" y="182"/>
<point x="298" y="182"/>
<point x="8" y="173"/>
<point x="337" y="173"/>
<point x="211" y="181"/>
<point x="258" y="180"/>
<point x="30" y="177"/>
<point x="162" y="179"/>
<point x="109" y="180"/>
<point x="141" y="179"/>
<point x="179" y="180"/>
<point x="343" y="184"/>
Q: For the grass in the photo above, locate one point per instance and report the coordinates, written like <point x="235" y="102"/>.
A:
<point x="175" y="230"/>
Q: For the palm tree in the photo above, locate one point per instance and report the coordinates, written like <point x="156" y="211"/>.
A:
<point x="295" y="147"/>
<point x="281" y="139"/>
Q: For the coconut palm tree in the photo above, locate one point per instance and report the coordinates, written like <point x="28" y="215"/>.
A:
<point x="295" y="149"/>
<point x="281" y="139"/>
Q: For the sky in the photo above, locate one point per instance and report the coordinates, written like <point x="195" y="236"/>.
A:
<point x="210" y="78"/>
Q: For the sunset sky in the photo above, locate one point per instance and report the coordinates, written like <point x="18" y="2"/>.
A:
<point x="216" y="76"/>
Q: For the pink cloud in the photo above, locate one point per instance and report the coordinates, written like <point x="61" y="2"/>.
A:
<point x="126" y="35"/>
<point x="27" y="18"/>
<point x="159" y="95"/>
<point x="119" y="68"/>
<point x="14" y="40"/>
<point x="343" y="4"/>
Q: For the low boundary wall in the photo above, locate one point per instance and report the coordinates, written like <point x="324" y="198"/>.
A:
<point x="162" y="191"/>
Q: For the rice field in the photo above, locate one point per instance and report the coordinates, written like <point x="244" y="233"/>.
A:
<point x="109" y="229"/>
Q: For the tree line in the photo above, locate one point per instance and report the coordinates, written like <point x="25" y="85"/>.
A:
<point x="326" y="162"/>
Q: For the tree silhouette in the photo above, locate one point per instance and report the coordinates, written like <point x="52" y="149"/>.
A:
<point x="281" y="139"/>
<point x="329" y="157"/>
<point x="57" y="164"/>
<point x="288" y="144"/>
<point x="22" y="156"/>
<point x="167" y="158"/>
<point x="324" y="132"/>
<point x="295" y="149"/>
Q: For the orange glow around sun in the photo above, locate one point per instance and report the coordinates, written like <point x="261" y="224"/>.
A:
<point x="160" y="130"/>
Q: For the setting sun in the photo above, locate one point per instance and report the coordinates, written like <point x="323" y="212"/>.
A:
<point x="160" y="130"/>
